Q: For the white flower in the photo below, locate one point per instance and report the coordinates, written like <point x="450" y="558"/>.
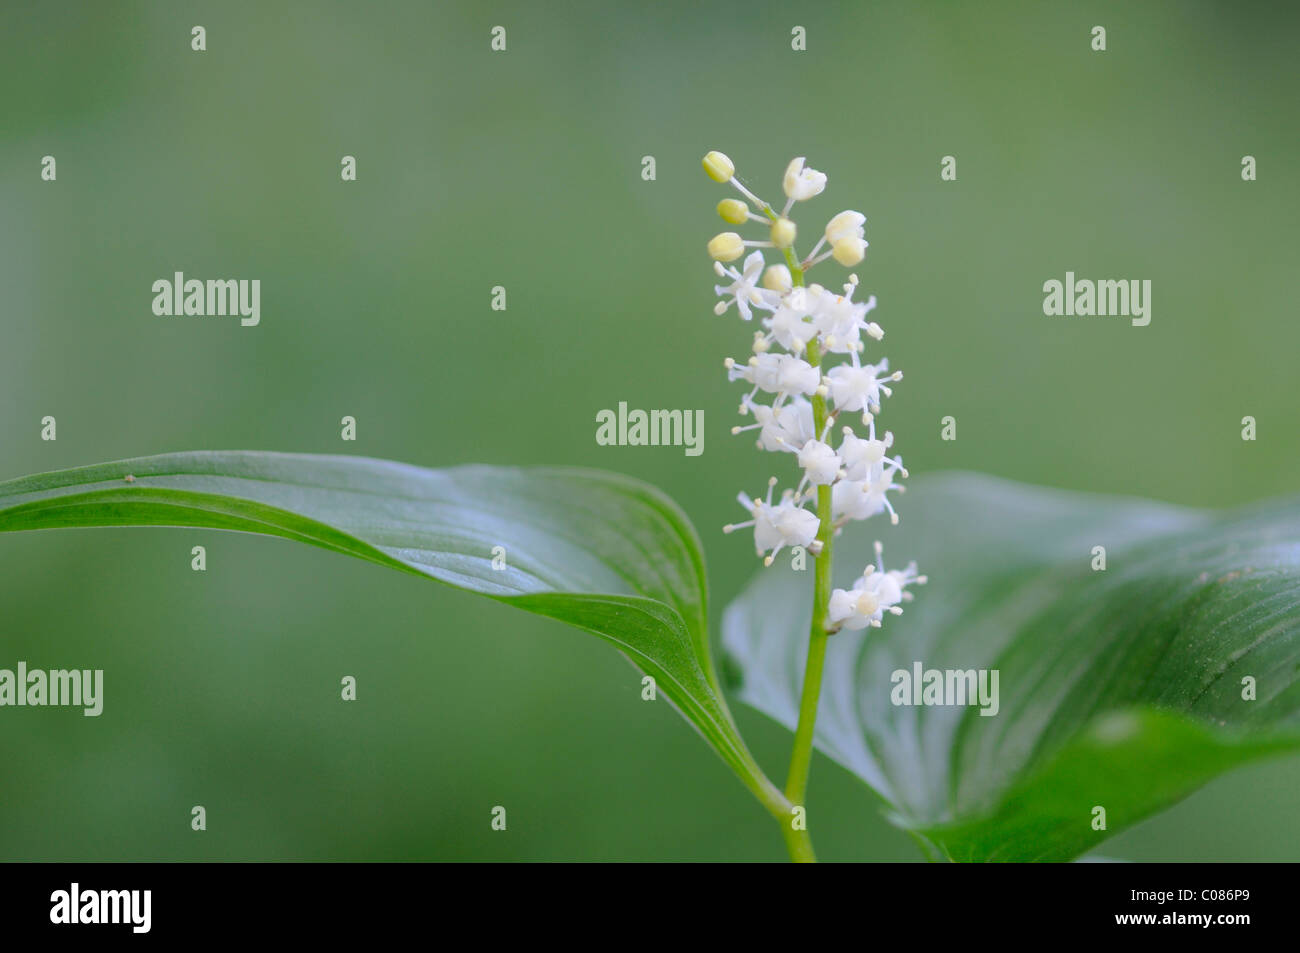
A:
<point x="849" y="500"/>
<point x="865" y="458"/>
<point x="841" y="322"/>
<point x="858" y="387"/>
<point x="794" y="525"/>
<point x="863" y="499"/>
<point x="787" y="427"/>
<point x="802" y="184"/>
<point x="796" y="376"/>
<point x="761" y="370"/>
<point x="791" y="427"/>
<point x="789" y="324"/>
<point x="744" y="288"/>
<point x="880" y="482"/>
<point x="775" y="373"/>
<point x="877" y="591"/>
<point x="841" y="319"/>
<point x="775" y="526"/>
<point x="860" y="455"/>
<point x="820" y="463"/>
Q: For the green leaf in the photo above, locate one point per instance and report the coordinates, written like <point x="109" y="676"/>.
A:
<point x="1119" y="689"/>
<point x="600" y="551"/>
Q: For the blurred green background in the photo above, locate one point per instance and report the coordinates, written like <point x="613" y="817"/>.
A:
<point x="523" y="169"/>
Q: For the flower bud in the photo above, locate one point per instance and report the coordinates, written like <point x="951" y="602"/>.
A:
<point x="849" y="251"/>
<point x="845" y="225"/>
<point x="719" y="167"/>
<point x="733" y="211"/>
<point x="783" y="232"/>
<point x="726" y="246"/>
<point x="777" y="278"/>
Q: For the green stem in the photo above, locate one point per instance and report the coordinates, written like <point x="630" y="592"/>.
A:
<point x="796" y="787"/>
<point x="798" y="842"/>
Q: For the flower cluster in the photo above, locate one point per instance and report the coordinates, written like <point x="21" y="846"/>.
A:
<point x="802" y="326"/>
<point x="878" y="591"/>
